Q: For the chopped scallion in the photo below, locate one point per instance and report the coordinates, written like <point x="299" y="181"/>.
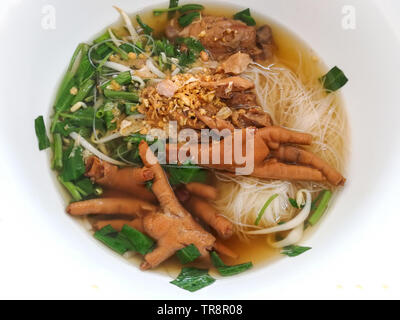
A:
<point x="193" y="279"/>
<point x="323" y="204"/>
<point x="112" y="239"/>
<point x="128" y="96"/>
<point x="58" y="154"/>
<point x="140" y="242"/>
<point x="294" y="251"/>
<point x="225" y="270"/>
<point x="262" y="211"/>
<point x="122" y="79"/>
<point x="146" y="29"/>
<point x="41" y="134"/>
<point x="188" y="254"/>
<point x="188" y="18"/>
<point x="245" y="16"/>
<point x="334" y="80"/>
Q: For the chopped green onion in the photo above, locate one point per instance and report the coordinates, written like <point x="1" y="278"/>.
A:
<point x="193" y="279"/>
<point x="84" y="91"/>
<point x="234" y="270"/>
<point x="122" y="79"/>
<point x="136" y="138"/>
<point x="192" y="44"/>
<point x="131" y="108"/>
<point x="74" y="166"/>
<point x="147" y="29"/>
<point x="185" y="174"/>
<point x="188" y="254"/>
<point x="73" y="67"/>
<point x="73" y="190"/>
<point x="58" y="154"/>
<point x="190" y="7"/>
<point x="81" y="118"/>
<point x="314" y="218"/>
<point x="41" y="134"/>
<point x="86" y="186"/>
<point x="334" y="80"/>
<point x="188" y="18"/>
<point x="140" y="242"/>
<point x="173" y="7"/>
<point x="293" y="202"/>
<point x="262" y="211"/>
<point x="109" y="119"/>
<point x="112" y="239"/>
<point x="245" y="16"/>
<point x="216" y="260"/>
<point x="172" y="4"/>
<point x="85" y="70"/>
<point x="118" y="50"/>
<point x="129" y="96"/>
<point x="64" y="97"/>
<point x="225" y="270"/>
<point x="294" y="251"/>
<point x="106" y="48"/>
<point x="315" y="203"/>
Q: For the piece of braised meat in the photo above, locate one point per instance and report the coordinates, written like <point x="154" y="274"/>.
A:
<point x="242" y="100"/>
<point x="254" y="117"/>
<point x="221" y="36"/>
<point x="265" y="41"/>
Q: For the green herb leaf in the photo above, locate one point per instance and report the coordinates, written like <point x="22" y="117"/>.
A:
<point x="315" y="203"/>
<point x="72" y="189"/>
<point x="85" y="70"/>
<point x="147" y="29"/>
<point x="74" y="166"/>
<point x="188" y="18"/>
<point x="192" y="44"/>
<point x="186" y="58"/>
<point x="68" y="80"/>
<point x="188" y="254"/>
<point x="140" y="242"/>
<point x="245" y="16"/>
<point x="57" y="152"/>
<point x="234" y="270"/>
<point x="190" y="7"/>
<point x="293" y="202"/>
<point x="164" y="46"/>
<point x="122" y="79"/>
<point x="225" y="270"/>
<point x="323" y="204"/>
<point x="172" y="4"/>
<point x="41" y="134"/>
<point x="216" y="260"/>
<point x="262" y="211"/>
<point x="334" y="80"/>
<point x="185" y="174"/>
<point x="114" y="240"/>
<point x="121" y="95"/>
<point x="193" y="279"/>
<point x="81" y="118"/>
<point x="136" y="138"/>
<point x="86" y="186"/>
<point x="131" y="108"/>
<point x="128" y="47"/>
<point x="294" y="251"/>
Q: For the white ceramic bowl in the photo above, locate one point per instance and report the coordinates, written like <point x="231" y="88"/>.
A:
<point x="45" y="254"/>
